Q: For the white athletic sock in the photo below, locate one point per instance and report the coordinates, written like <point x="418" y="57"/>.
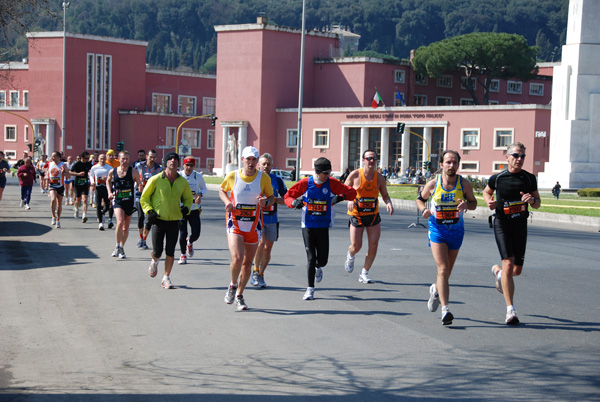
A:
<point x="165" y="278"/>
<point x="509" y="308"/>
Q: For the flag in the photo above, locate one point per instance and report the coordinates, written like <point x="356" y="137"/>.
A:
<point x="400" y="98"/>
<point x="377" y="101"/>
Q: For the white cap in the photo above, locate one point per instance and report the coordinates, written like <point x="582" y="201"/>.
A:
<point x="250" y="151"/>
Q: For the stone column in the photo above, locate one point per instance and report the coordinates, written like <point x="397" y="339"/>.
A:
<point x="405" y="161"/>
<point x="385" y="147"/>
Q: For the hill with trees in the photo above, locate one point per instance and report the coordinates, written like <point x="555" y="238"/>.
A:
<point x="180" y="33"/>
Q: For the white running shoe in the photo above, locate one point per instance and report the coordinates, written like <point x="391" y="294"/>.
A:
<point x="76" y="213"/>
<point x="349" y="265"/>
<point x="115" y="252"/>
<point x="495" y="270"/>
<point x="511" y="317"/>
<point x="254" y="278"/>
<point x="122" y="253"/>
<point x="230" y="295"/>
<point x="53" y="221"/>
<point x="309" y="294"/>
<point x="153" y="268"/>
<point x="318" y="274"/>
<point x="240" y="303"/>
<point x="101" y="226"/>
<point x="58" y="224"/>
<point x="434" y="299"/>
<point x="22" y="203"/>
<point x="182" y="260"/>
<point x="27" y="207"/>
<point x="364" y="277"/>
<point x="84" y="219"/>
<point x="166" y="283"/>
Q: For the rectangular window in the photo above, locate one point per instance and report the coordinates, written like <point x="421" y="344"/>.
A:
<point x="14" y="99"/>
<point x="290" y="163"/>
<point x="399" y="76"/>
<point x="161" y="103"/>
<point x="445" y="81"/>
<point x="170" y="140"/>
<point x="466" y="102"/>
<point x="420" y="100"/>
<point x="495" y="86"/>
<point x="10" y="133"/>
<point x="210" y="164"/>
<point x="493" y="102"/>
<point x="321" y="139"/>
<point x="443" y="101"/>
<point x="2" y="98"/>
<point x="26" y="133"/>
<point x="469" y="166"/>
<point x="193" y="136"/>
<point x="26" y="98"/>
<point x="107" y="102"/>
<point x="470" y="138"/>
<point x="10" y="155"/>
<point x="502" y="138"/>
<point x="99" y="99"/>
<point x="187" y="105"/>
<point x="421" y="79"/>
<point x="89" y="125"/>
<point x="536" y="89"/>
<point x="464" y="80"/>
<point x="210" y="139"/>
<point x="500" y="166"/>
<point x="292" y="138"/>
<point x="208" y="105"/>
<point x="514" y="87"/>
<point x="399" y="99"/>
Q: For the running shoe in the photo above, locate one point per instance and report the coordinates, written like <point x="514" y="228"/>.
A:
<point x="144" y="245"/>
<point x="166" y="283"/>
<point x="230" y="295"/>
<point x="447" y="318"/>
<point x="349" y="263"/>
<point x="140" y="243"/>
<point x="115" y="252"/>
<point x="318" y="274"/>
<point x="364" y="277"/>
<point x="511" y="317"/>
<point x="190" y="248"/>
<point x="53" y="221"/>
<point x="84" y="219"/>
<point x="27" y="207"/>
<point x="75" y="212"/>
<point x="309" y="294"/>
<point x="122" y="253"/>
<point x="22" y="203"/>
<point x="110" y="224"/>
<point x="101" y="226"/>
<point x="240" y="304"/>
<point x="261" y="281"/>
<point x="254" y="278"/>
<point x="58" y="224"/>
<point x="434" y="299"/>
<point x="42" y="191"/>
<point x="497" y="281"/>
<point x="153" y="268"/>
<point x="182" y="260"/>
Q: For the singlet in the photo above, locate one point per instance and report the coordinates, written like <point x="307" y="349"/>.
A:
<point x="123" y="187"/>
<point x="316" y="212"/>
<point x="279" y="189"/>
<point x="367" y="196"/>
<point x="197" y="185"/>
<point x="55" y="175"/>
<point x="246" y="211"/>
<point x="508" y="187"/>
<point x="444" y="203"/>
<point x="146" y="173"/>
<point x="99" y="174"/>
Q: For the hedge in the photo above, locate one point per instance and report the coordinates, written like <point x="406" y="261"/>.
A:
<point x="589" y="192"/>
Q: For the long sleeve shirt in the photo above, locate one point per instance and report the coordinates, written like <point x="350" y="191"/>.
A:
<point x="337" y="188"/>
<point x="166" y="198"/>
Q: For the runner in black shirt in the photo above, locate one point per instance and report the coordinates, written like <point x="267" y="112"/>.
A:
<point x="516" y="190"/>
<point x="80" y="172"/>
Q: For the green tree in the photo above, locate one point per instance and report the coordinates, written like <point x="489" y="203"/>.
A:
<point x="480" y="56"/>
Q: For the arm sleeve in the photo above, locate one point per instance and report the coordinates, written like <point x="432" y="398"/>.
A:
<point x="227" y="184"/>
<point x="339" y="188"/>
<point x="202" y="185"/>
<point x="186" y="198"/>
<point x="146" y="198"/>
<point x="295" y="191"/>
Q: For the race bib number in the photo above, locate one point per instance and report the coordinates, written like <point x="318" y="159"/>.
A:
<point x="367" y="204"/>
<point x="446" y="214"/>
<point x="515" y="209"/>
<point x="316" y="207"/>
<point x="101" y="181"/>
<point x="81" y="181"/>
<point x="124" y="195"/>
<point x="245" y="213"/>
<point x="54" y="180"/>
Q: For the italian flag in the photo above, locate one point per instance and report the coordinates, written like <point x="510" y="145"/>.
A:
<point x="377" y="101"/>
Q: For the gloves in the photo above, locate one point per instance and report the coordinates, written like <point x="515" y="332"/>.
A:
<point x="185" y="210"/>
<point x="298" y="204"/>
<point x="152" y="216"/>
<point x="337" y="199"/>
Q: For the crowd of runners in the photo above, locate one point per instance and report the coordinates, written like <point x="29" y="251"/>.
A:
<point x="168" y="200"/>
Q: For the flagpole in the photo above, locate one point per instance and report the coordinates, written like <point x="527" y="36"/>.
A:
<point x="300" y="92"/>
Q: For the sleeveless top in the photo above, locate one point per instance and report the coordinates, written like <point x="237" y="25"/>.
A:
<point x="367" y="196"/>
<point x="123" y="187"/>
<point x="55" y="175"/>
<point x="246" y="213"/>
<point x="444" y="203"/>
<point x="316" y="212"/>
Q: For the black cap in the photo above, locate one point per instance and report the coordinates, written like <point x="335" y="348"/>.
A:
<point x="322" y="165"/>
<point x="170" y="156"/>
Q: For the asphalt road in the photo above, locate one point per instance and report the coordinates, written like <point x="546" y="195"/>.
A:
<point x="78" y="325"/>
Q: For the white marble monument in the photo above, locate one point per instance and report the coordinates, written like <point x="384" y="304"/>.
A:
<point x="575" y="123"/>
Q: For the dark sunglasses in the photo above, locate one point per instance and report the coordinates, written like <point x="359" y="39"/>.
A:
<point x="517" y="156"/>
<point x="370" y="158"/>
<point x="328" y="172"/>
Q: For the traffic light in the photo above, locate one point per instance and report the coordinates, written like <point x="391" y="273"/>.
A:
<point x="213" y="119"/>
<point x="427" y="166"/>
<point x="120" y="146"/>
<point x="400" y="128"/>
<point x="30" y="146"/>
<point x="36" y="145"/>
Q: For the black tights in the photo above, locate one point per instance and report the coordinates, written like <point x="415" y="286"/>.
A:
<point x="316" y="243"/>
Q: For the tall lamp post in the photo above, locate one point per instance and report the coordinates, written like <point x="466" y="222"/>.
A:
<point x="300" y="92"/>
<point x="65" y="5"/>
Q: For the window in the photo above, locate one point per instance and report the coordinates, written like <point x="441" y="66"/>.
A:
<point x="493" y="102"/>
<point x="399" y="76"/>
<point x="443" y="101"/>
<point x="208" y="105"/>
<point x="98" y="101"/>
<point x="26" y="133"/>
<point x="503" y="138"/>
<point x="514" y="87"/>
<point x="464" y="80"/>
<point x="161" y="103"/>
<point x="466" y="101"/>
<point x="469" y="166"/>
<point x="10" y="133"/>
<point x="2" y="98"/>
<point x="500" y="166"/>
<point x="420" y="100"/>
<point x="290" y="163"/>
<point x="495" y="86"/>
<point x="10" y="155"/>
<point x="170" y="140"/>
<point x="210" y="139"/>
<point x="469" y="138"/>
<point x="210" y="164"/>
<point x="421" y="79"/>
<point x="399" y="99"/>
<point x="536" y="89"/>
<point x="193" y="137"/>
<point x="26" y="98"/>
<point x="292" y="138"/>
<point x="321" y="138"/>
<point x="14" y="99"/>
<point x="187" y="105"/>
<point x="445" y="81"/>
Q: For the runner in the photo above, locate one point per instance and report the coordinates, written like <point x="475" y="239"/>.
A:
<point x="42" y="166"/>
<point x="146" y="170"/>
<point x="141" y="158"/>
<point x="364" y="212"/>
<point x="516" y="190"/>
<point x="316" y="195"/>
<point x="245" y="192"/>
<point x="4" y="167"/>
<point x="198" y="187"/>
<point x="120" y="190"/>
<point x="26" y="174"/>
<point x="69" y="183"/>
<point x="57" y="172"/>
<point x="161" y="200"/>
<point x="270" y="232"/>
<point x="80" y="171"/>
<point x="451" y="195"/>
<point x="98" y="177"/>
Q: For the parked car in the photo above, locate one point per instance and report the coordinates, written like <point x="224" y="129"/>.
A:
<point x="284" y="174"/>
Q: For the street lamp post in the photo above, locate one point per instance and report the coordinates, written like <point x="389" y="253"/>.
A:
<point x="300" y="92"/>
<point x="65" y="5"/>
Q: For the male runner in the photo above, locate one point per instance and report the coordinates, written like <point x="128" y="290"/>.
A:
<point x="146" y="170"/>
<point x="141" y="158"/>
<point x="318" y="194"/>
<point x="270" y="232"/>
<point x="245" y="192"/>
<point x="42" y="166"/>
<point x="166" y="199"/>
<point x="69" y="183"/>
<point x="198" y="187"/>
<point x="80" y="171"/>
<point x="364" y="212"/>
<point x="98" y="178"/>
<point x="516" y="190"/>
<point x="57" y="172"/>
<point x="451" y="195"/>
<point x="120" y="190"/>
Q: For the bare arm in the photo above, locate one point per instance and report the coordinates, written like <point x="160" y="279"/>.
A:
<point x="488" y="196"/>
<point x="425" y="194"/>
<point x="471" y="202"/>
<point x="384" y="194"/>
